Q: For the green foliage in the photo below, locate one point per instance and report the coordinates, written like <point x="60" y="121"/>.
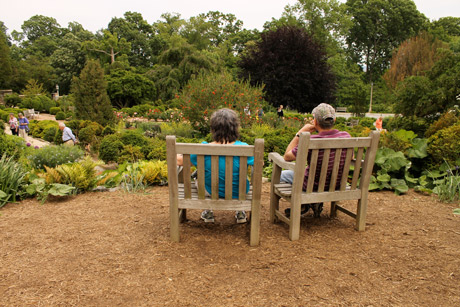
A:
<point x="180" y="129"/>
<point x="39" y="128"/>
<point x="90" y="93"/>
<point x="55" y="110"/>
<point x="110" y="148"/>
<point x="81" y="175"/>
<point x="12" y="100"/>
<point x="12" y="180"/>
<point x="132" y="178"/>
<point x="49" y="134"/>
<point x="108" y="130"/>
<point x="155" y="149"/>
<point x="207" y="93"/>
<point x="448" y="119"/>
<point x="133" y="137"/>
<point x="293" y="68"/>
<point x="154" y="172"/>
<point x="130" y="154"/>
<point x="444" y="145"/>
<point x="410" y="123"/>
<point x="52" y="156"/>
<point x="127" y="88"/>
<point x="60" y="116"/>
<point x="42" y="189"/>
<point x="11" y="146"/>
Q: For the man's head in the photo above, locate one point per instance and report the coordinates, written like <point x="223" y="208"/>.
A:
<point x="61" y="126"/>
<point x="324" y="115"/>
<point x="225" y="125"/>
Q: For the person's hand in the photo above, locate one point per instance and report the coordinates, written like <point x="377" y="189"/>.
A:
<point x="308" y="128"/>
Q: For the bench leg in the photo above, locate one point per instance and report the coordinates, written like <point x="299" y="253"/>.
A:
<point x="182" y="215"/>
<point x="294" y="225"/>
<point x="174" y="222"/>
<point x="361" y="214"/>
<point x="274" y="199"/>
<point x="333" y="209"/>
<point x="255" y="226"/>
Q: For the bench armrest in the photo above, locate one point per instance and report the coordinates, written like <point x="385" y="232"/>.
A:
<point x="277" y="159"/>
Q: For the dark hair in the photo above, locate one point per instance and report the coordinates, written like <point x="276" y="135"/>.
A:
<point x="225" y="126"/>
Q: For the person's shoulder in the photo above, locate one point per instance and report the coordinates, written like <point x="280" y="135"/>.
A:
<point x="240" y="143"/>
<point x="343" y="134"/>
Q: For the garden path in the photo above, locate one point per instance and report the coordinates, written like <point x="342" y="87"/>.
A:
<point x="34" y="141"/>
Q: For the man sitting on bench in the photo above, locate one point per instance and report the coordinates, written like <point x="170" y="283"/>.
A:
<point x="323" y="123"/>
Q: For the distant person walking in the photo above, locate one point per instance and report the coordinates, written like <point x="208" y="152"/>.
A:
<point x="280" y="112"/>
<point x="68" y="137"/>
<point x="14" y="125"/>
<point x="23" y="126"/>
<point x="378" y="124"/>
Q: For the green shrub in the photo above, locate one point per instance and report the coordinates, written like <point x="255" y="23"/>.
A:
<point x="133" y="137"/>
<point x="38" y="128"/>
<point x="178" y="129"/>
<point x="444" y="145"/>
<point x="156" y="149"/>
<point x="412" y="123"/>
<point x="130" y="154"/>
<point x="11" y="146"/>
<point x="60" y="116"/>
<point x="448" y="119"/>
<point x="55" y="110"/>
<point x="52" y="156"/>
<point x="12" y="181"/>
<point x="209" y="92"/>
<point x="49" y="134"/>
<point x="110" y="148"/>
<point x="87" y="135"/>
<point x="367" y="122"/>
<point x="108" y="130"/>
<point x="12" y="100"/>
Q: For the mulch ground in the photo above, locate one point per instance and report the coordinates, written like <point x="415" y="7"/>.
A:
<point x="113" y="249"/>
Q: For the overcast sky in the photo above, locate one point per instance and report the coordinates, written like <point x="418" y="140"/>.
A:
<point x="96" y="14"/>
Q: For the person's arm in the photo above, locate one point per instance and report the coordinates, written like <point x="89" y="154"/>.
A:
<point x="289" y="155"/>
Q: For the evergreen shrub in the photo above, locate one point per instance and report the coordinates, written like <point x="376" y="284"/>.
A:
<point x="444" y="145"/>
<point x="110" y="148"/>
<point x="55" y="110"/>
<point x="60" y="115"/>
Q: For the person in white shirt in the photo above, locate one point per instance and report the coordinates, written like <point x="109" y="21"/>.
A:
<point x="67" y="136"/>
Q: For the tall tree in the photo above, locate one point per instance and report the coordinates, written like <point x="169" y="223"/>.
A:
<point x="293" y="68"/>
<point x="90" y="93"/>
<point x="325" y="20"/>
<point x="109" y="46"/>
<point x="5" y="62"/>
<point x="145" y="44"/>
<point x="68" y="61"/>
<point x="414" y="57"/>
<point x="379" y="26"/>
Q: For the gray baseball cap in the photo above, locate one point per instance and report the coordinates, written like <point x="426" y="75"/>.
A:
<point x="323" y="111"/>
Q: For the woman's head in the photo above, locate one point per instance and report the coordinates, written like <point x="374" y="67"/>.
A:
<point x="11" y="115"/>
<point x="225" y="126"/>
<point x="20" y="115"/>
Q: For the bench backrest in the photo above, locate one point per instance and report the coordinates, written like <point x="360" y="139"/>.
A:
<point x="214" y="151"/>
<point x="351" y="150"/>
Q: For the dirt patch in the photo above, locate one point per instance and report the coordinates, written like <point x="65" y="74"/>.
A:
<point x="108" y="249"/>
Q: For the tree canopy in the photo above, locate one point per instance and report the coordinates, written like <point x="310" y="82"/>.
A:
<point x="292" y="67"/>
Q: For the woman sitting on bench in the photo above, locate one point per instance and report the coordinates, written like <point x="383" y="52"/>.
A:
<point x="225" y="126"/>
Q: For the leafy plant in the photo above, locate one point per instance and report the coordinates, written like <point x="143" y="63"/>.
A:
<point x="42" y="189"/>
<point x="132" y="178"/>
<point x="110" y="148"/>
<point x="12" y="176"/>
<point x="448" y="187"/>
<point x="52" y="156"/>
<point x="154" y="172"/>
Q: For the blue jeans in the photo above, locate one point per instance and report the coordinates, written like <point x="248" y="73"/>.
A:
<point x="287" y="176"/>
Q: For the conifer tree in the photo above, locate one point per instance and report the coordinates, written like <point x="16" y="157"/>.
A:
<point x="90" y="92"/>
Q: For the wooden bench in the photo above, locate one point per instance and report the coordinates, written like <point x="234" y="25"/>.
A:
<point x="357" y="189"/>
<point x="341" y="109"/>
<point x="186" y="195"/>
